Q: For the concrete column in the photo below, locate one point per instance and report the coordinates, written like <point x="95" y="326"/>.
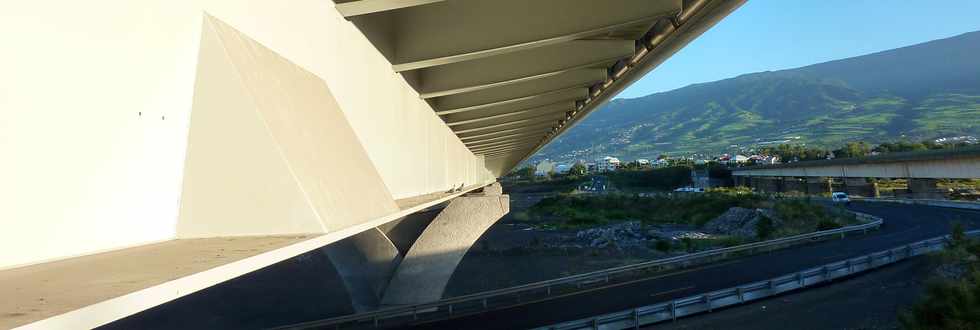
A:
<point x="779" y="184"/>
<point x="858" y="187"/>
<point x="817" y="185"/>
<point x="429" y="264"/>
<point x="924" y="188"/>
<point x="771" y="184"/>
<point x="758" y="184"/>
<point x="793" y="184"/>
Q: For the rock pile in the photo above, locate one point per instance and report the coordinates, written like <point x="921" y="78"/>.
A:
<point x="631" y="234"/>
<point x="621" y="235"/>
<point x="676" y="232"/>
<point x="738" y="221"/>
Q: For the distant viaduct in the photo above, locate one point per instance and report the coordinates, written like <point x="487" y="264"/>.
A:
<point x="921" y="169"/>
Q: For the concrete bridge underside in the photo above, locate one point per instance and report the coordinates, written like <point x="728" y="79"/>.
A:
<point x="158" y="148"/>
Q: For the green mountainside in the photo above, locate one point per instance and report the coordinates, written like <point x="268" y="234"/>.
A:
<point x="922" y="91"/>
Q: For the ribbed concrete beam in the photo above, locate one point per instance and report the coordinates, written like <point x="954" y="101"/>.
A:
<point x="507" y="136"/>
<point x="503" y="121"/>
<point x="573" y="93"/>
<point x="422" y="39"/>
<point x="563" y="81"/>
<point x="521" y="66"/>
<point x="524" y="139"/>
<point x="505" y="153"/>
<point x="504" y="146"/>
<point x="524" y="102"/>
<point x="566" y="105"/>
<point x="517" y="123"/>
<point x="520" y="114"/>
<point x="543" y="127"/>
<point x="350" y="8"/>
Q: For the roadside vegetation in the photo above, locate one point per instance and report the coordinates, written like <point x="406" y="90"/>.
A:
<point x="576" y="211"/>
<point x="799" y="152"/>
<point x="952" y="297"/>
<point x="569" y="211"/>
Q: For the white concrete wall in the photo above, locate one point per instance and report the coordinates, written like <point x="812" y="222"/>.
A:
<point x="95" y="101"/>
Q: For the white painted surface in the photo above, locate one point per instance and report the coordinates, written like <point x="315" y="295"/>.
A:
<point x="95" y="103"/>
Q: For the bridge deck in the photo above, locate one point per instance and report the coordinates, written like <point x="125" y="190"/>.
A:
<point x="94" y="289"/>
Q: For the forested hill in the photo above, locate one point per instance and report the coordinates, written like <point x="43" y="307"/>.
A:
<point x="922" y="91"/>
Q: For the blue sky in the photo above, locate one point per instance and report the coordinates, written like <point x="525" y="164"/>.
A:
<point x="778" y="34"/>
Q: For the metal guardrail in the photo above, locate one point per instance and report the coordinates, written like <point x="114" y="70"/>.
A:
<point x="495" y="299"/>
<point x="673" y="309"/>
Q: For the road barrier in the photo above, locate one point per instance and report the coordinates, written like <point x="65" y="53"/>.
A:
<point x="501" y="298"/>
<point x="966" y="205"/>
<point x="671" y="310"/>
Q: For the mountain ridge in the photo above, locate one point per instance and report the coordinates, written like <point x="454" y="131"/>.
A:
<point x="925" y="90"/>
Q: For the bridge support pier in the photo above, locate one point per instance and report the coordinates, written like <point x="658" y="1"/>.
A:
<point x="924" y="188"/>
<point x="793" y="184"/>
<point x="427" y="267"/>
<point x="770" y="184"/>
<point x="818" y="185"/>
<point x="861" y="187"/>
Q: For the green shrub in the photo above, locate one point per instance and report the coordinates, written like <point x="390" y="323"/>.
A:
<point x="958" y="235"/>
<point x="764" y="227"/>
<point x="662" y="245"/>
<point x="947" y="305"/>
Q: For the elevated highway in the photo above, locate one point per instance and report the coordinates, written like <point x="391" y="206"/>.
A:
<point x="922" y="170"/>
<point x="158" y="148"/>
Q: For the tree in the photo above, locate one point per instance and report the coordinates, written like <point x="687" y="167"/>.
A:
<point x="853" y="149"/>
<point x="794" y="152"/>
<point x="578" y="169"/>
<point x="527" y="172"/>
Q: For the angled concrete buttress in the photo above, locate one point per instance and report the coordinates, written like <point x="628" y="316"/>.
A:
<point x="364" y="263"/>
<point x="427" y="267"/>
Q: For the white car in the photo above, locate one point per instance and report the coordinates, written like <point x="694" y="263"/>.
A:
<point x="839" y="197"/>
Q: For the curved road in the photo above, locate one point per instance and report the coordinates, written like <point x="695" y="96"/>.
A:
<point x="903" y="224"/>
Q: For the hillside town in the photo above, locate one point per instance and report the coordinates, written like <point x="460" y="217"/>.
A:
<point x="764" y="155"/>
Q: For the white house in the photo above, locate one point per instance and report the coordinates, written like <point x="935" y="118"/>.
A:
<point x="544" y="167"/>
<point x="607" y="163"/>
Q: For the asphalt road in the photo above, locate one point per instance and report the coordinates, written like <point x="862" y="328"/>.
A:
<point x="903" y="224"/>
<point x="870" y="301"/>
